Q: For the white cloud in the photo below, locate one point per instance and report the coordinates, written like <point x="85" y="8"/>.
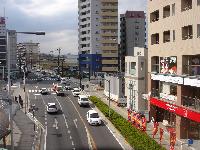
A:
<point x="66" y="40"/>
<point x="47" y="8"/>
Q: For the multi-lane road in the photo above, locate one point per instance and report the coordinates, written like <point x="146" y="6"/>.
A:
<point x="68" y="129"/>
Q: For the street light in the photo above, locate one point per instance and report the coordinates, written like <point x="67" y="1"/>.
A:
<point x="9" y="83"/>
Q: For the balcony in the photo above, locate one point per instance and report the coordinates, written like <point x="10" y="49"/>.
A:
<point x="110" y="7"/>
<point x="109" y="48"/>
<point x="109" y="1"/>
<point x="109" y="27"/>
<point x="108" y="41"/>
<point x="109" y="20"/>
<point x="109" y="61"/>
<point x="109" y="34"/>
<point x="109" y="69"/>
<point x="115" y="14"/>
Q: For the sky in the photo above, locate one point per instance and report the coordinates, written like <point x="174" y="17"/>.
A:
<point x="58" y="18"/>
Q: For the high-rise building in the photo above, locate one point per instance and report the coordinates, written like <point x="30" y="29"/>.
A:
<point x="98" y="38"/>
<point x="2" y="45"/>
<point x="132" y="34"/>
<point x="174" y="65"/>
<point x="12" y="39"/>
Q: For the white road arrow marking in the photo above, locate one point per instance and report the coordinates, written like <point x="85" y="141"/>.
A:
<point x="55" y="125"/>
<point x="75" y="122"/>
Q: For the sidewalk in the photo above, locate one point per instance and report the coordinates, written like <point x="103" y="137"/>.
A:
<point x="180" y="144"/>
<point x="24" y="136"/>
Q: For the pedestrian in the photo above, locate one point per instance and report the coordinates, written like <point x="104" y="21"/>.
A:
<point x="155" y="128"/>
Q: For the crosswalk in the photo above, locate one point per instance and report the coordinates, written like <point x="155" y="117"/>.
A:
<point x="38" y="90"/>
<point x="43" y="79"/>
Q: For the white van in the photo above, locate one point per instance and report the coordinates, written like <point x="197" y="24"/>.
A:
<point x="93" y="117"/>
<point x="83" y="100"/>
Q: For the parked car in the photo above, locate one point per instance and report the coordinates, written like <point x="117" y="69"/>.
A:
<point x="83" y="100"/>
<point x="76" y="92"/>
<point x="93" y="118"/>
<point x="44" y="91"/>
<point x="52" y="108"/>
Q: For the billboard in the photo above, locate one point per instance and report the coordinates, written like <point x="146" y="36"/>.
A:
<point x="168" y="65"/>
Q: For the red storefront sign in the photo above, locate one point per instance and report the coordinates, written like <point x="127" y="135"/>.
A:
<point x="184" y="112"/>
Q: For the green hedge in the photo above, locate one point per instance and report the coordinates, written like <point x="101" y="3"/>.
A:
<point x="137" y="139"/>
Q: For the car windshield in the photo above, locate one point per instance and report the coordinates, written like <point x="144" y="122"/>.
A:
<point x="44" y="89"/>
<point x="76" y="91"/>
<point x="84" y="99"/>
<point x="94" y="115"/>
<point x="52" y="106"/>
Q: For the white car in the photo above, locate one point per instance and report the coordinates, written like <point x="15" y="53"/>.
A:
<point x="93" y="117"/>
<point x="52" y="108"/>
<point x="76" y="92"/>
<point x="44" y="91"/>
<point x="83" y="100"/>
<point x="63" y="81"/>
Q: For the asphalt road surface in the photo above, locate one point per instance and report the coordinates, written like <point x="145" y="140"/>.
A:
<point x="68" y="129"/>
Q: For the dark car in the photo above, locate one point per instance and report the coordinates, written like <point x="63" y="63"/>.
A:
<point x="44" y="91"/>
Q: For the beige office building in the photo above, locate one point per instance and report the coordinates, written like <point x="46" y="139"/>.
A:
<point x="174" y="65"/>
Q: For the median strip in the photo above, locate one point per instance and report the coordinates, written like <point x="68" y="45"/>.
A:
<point x="137" y="139"/>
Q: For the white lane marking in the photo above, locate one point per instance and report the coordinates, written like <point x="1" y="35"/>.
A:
<point x="72" y="143"/>
<point x="75" y="122"/>
<point x="69" y="131"/>
<point x="63" y="113"/>
<point x="115" y="137"/>
<point x="45" y="139"/>
<point x="70" y="137"/>
<point x="91" y="142"/>
<point x="55" y="124"/>
<point x="37" y="94"/>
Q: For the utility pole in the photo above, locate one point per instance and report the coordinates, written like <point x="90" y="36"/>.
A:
<point x="80" y="76"/>
<point x="62" y="64"/>
<point x="58" y="60"/>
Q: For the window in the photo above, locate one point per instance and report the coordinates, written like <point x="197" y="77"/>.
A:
<point x="132" y="70"/>
<point x="173" y="9"/>
<point x="198" y="30"/>
<point x="166" y="36"/>
<point x="142" y="66"/>
<point x="186" y="5"/>
<point x="187" y="32"/>
<point x="154" y="16"/>
<point x="155" y="38"/>
<point x="173" y="35"/>
<point x="166" y="11"/>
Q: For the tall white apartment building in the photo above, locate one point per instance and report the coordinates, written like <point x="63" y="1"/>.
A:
<point x="98" y="38"/>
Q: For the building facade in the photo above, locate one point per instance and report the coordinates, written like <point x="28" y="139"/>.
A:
<point x="174" y="65"/>
<point x="132" y="34"/>
<point x="136" y="79"/>
<point x="31" y="54"/>
<point x="98" y="38"/>
<point x="12" y="39"/>
<point x="3" y="55"/>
